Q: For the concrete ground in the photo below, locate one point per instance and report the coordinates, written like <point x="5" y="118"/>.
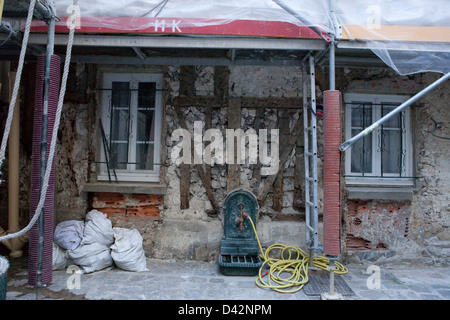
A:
<point x="192" y="280"/>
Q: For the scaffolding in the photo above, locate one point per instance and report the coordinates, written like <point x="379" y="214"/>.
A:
<point x="328" y="34"/>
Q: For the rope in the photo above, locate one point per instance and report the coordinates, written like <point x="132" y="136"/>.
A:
<point x="293" y="262"/>
<point x="54" y="135"/>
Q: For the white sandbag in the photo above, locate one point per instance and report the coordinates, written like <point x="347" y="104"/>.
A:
<point x="68" y="234"/>
<point x="127" y="250"/>
<point x="98" y="229"/>
<point x="59" y="257"/>
<point x="91" y="257"/>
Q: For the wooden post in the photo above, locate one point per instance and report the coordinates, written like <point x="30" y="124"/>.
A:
<point x="187" y="88"/>
<point x="285" y="153"/>
<point x="299" y="175"/>
<point x="234" y="122"/>
<point x="283" y="123"/>
<point x="259" y="121"/>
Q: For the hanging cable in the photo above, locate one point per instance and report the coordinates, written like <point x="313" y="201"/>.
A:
<point x="11" y="32"/>
<point x="161" y="4"/>
<point x="55" y="129"/>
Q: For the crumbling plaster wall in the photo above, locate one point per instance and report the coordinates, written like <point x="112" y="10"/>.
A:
<point x="430" y="208"/>
<point x="192" y="230"/>
<point x="423" y="231"/>
<point x="417" y="229"/>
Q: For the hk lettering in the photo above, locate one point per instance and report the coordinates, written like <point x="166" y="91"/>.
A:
<point x="161" y="26"/>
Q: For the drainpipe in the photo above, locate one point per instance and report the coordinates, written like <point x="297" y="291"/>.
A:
<point x="43" y="157"/>
<point x="2" y="2"/>
<point x="43" y="148"/>
<point x="332" y="64"/>
<point x="14" y="245"/>
<point x="331" y="172"/>
<point x="13" y="178"/>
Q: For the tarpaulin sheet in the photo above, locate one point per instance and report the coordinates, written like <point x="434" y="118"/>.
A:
<point x="394" y="30"/>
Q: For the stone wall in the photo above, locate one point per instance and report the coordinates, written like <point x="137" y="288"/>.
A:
<point x="416" y="229"/>
<point x="200" y="233"/>
<point x="430" y="208"/>
<point x="372" y="229"/>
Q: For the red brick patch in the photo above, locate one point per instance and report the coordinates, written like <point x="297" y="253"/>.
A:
<point x="113" y="211"/>
<point x="386" y="211"/>
<point x="110" y="199"/>
<point x="146" y="199"/>
<point x="116" y="206"/>
<point x="143" y="211"/>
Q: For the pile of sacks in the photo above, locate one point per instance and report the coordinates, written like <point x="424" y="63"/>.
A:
<point x="94" y="245"/>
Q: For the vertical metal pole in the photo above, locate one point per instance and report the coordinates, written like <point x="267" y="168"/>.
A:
<point x="332" y="53"/>
<point x="43" y="147"/>
<point x="332" y="64"/>
<point x="306" y="151"/>
<point x="315" y="218"/>
<point x="332" y="268"/>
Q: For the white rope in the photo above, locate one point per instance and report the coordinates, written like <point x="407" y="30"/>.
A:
<point x="12" y="104"/>
<point x="54" y="136"/>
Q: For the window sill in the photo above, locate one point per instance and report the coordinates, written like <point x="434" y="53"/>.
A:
<point x="126" y="188"/>
<point x="380" y="193"/>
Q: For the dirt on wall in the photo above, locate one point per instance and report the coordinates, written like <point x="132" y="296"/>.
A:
<point x="417" y="229"/>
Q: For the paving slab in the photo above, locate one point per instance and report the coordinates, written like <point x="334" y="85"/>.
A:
<point x="193" y="280"/>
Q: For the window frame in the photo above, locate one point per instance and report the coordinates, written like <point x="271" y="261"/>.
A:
<point x="132" y="174"/>
<point x="375" y="178"/>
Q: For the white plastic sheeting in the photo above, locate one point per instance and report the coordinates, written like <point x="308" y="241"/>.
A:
<point x="388" y="27"/>
<point x="401" y="33"/>
<point x="216" y="11"/>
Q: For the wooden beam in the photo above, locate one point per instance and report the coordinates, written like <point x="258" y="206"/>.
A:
<point x="187" y="88"/>
<point x="246" y="102"/>
<point x="234" y="122"/>
<point x="299" y="175"/>
<point x="397" y="33"/>
<point x="283" y="125"/>
<point x="259" y="124"/>
<point x="221" y="80"/>
<point x="187" y="81"/>
<point x="270" y="102"/>
<point x="199" y="168"/>
<point x="268" y="183"/>
<point x="207" y="126"/>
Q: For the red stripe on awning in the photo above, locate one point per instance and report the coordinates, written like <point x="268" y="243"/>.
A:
<point x="180" y="26"/>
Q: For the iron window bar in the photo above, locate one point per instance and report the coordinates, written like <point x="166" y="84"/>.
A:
<point x="381" y="133"/>
<point x="118" y="89"/>
<point x="108" y="155"/>
<point x="378" y="177"/>
<point x="128" y="162"/>
<point x="375" y="104"/>
<point x="127" y="118"/>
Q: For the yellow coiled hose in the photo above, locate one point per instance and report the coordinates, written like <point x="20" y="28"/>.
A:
<point x="292" y="263"/>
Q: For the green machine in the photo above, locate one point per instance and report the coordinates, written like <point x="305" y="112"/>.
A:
<point x="239" y="254"/>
